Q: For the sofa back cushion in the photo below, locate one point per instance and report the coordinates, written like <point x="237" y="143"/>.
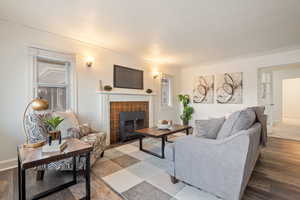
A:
<point x="208" y="128"/>
<point x="70" y="121"/>
<point x="237" y="121"/>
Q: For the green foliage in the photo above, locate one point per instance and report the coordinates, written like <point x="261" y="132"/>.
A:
<point x="186" y="116"/>
<point x="54" y="122"/>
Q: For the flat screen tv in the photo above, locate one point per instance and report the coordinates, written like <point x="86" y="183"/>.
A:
<point x="129" y="78"/>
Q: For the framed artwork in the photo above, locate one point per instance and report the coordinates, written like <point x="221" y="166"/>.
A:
<point x="229" y="88"/>
<point x="203" y="91"/>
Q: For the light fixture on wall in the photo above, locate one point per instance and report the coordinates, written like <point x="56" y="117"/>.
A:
<point x="89" y="61"/>
<point x="155" y="74"/>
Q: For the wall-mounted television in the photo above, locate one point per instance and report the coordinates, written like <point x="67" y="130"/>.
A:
<point x="129" y="78"/>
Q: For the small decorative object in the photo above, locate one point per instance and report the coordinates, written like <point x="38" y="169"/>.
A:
<point x="107" y="88"/>
<point x="100" y="85"/>
<point x="149" y="91"/>
<point x="55" y="146"/>
<point x="164" y="124"/>
<point x="204" y="89"/>
<point x="186" y="116"/>
<point x="229" y="88"/>
<point x="53" y="123"/>
<point x="37" y="104"/>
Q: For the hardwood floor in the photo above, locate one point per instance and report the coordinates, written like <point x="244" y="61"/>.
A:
<point x="276" y="176"/>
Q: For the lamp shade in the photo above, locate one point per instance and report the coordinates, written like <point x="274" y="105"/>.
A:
<point x="39" y="104"/>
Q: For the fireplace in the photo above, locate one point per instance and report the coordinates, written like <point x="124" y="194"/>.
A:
<point x="129" y="122"/>
<point x="125" y="117"/>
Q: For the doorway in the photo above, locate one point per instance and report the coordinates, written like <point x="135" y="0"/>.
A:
<point x="279" y="92"/>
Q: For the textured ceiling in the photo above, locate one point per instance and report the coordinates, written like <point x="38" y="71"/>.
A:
<point x="178" y="32"/>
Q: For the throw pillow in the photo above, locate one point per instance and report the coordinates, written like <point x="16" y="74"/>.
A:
<point x="239" y="120"/>
<point x="84" y="130"/>
<point x="36" y="127"/>
<point x="208" y="128"/>
<point x="70" y="121"/>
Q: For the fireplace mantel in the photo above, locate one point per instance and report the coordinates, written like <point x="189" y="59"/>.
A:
<point x="125" y="93"/>
<point x="105" y="98"/>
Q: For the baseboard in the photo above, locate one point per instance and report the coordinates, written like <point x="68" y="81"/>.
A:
<point x="8" y="164"/>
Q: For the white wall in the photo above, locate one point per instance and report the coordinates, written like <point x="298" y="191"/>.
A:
<point x="278" y="76"/>
<point x="14" y="64"/>
<point x="291" y="98"/>
<point x="249" y="67"/>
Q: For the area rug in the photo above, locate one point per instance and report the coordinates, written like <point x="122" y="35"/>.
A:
<point x="136" y="175"/>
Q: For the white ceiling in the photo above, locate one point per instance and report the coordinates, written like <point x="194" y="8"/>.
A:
<point x="182" y="32"/>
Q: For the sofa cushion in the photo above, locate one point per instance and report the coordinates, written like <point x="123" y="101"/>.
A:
<point x="237" y="121"/>
<point x="170" y="152"/>
<point x="208" y="128"/>
<point x="70" y="121"/>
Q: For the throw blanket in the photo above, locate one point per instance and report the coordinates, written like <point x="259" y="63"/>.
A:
<point x="262" y="119"/>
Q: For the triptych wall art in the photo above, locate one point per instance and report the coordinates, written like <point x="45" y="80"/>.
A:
<point x="226" y="88"/>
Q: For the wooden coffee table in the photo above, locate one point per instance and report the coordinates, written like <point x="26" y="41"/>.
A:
<point x="158" y="133"/>
<point x="33" y="157"/>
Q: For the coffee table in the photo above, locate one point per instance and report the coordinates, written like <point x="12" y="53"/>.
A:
<point x="33" y="157"/>
<point x="162" y="134"/>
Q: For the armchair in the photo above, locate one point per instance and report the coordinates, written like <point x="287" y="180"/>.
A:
<point x="69" y="128"/>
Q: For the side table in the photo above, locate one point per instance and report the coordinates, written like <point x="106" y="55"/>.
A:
<point x="33" y="157"/>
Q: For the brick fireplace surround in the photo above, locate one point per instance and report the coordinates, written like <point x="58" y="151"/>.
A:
<point x="128" y="106"/>
<point x="111" y="103"/>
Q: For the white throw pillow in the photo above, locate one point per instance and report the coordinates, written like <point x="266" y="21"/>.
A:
<point x="208" y="128"/>
<point x="237" y="121"/>
<point x="70" y="121"/>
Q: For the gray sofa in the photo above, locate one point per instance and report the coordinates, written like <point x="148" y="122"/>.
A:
<point x="221" y="165"/>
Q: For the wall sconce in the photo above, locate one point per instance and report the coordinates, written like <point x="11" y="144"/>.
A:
<point x="89" y="61"/>
<point x="156" y="74"/>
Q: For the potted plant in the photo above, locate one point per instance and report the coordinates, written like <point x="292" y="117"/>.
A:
<point x="186" y="116"/>
<point x="53" y="123"/>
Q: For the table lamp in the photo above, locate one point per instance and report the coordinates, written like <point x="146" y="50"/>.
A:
<point x="37" y="104"/>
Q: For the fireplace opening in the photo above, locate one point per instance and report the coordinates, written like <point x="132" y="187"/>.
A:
<point x="129" y="122"/>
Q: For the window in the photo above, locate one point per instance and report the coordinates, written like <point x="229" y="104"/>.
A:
<point x="53" y="78"/>
<point x="166" y="90"/>
<point x="53" y="83"/>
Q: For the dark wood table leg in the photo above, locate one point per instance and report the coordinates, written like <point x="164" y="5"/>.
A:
<point x="141" y="143"/>
<point x="74" y="170"/>
<point x="19" y="178"/>
<point x="23" y="184"/>
<point x="87" y="177"/>
<point x="163" y="140"/>
<point x="187" y="131"/>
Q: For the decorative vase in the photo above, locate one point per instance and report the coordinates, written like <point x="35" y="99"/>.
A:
<point x="149" y="91"/>
<point x="54" y="135"/>
<point x="185" y="122"/>
<point x="107" y="88"/>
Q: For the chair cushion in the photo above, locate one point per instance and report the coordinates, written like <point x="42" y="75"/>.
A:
<point x="70" y="121"/>
<point x="237" y="121"/>
<point x="208" y="128"/>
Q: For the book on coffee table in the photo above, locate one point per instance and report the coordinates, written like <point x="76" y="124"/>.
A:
<point x="54" y="147"/>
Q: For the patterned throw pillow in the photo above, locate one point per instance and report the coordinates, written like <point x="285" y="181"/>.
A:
<point x="84" y="130"/>
<point x="36" y="127"/>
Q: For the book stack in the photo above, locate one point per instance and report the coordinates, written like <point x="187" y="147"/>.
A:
<point x="54" y="147"/>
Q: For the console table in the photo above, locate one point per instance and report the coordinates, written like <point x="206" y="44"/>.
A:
<point x="33" y="157"/>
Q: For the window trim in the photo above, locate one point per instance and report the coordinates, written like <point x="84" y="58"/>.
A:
<point x="38" y="53"/>
<point x="171" y="91"/>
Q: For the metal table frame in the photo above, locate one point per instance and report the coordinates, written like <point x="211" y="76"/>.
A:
<point x="22" y="181"/>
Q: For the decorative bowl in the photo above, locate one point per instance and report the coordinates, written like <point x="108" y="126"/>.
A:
<point x="163" y="126"/>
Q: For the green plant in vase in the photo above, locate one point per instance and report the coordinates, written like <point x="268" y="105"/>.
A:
<point x="188" y="111"/>
<point x="53" y="123"/>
